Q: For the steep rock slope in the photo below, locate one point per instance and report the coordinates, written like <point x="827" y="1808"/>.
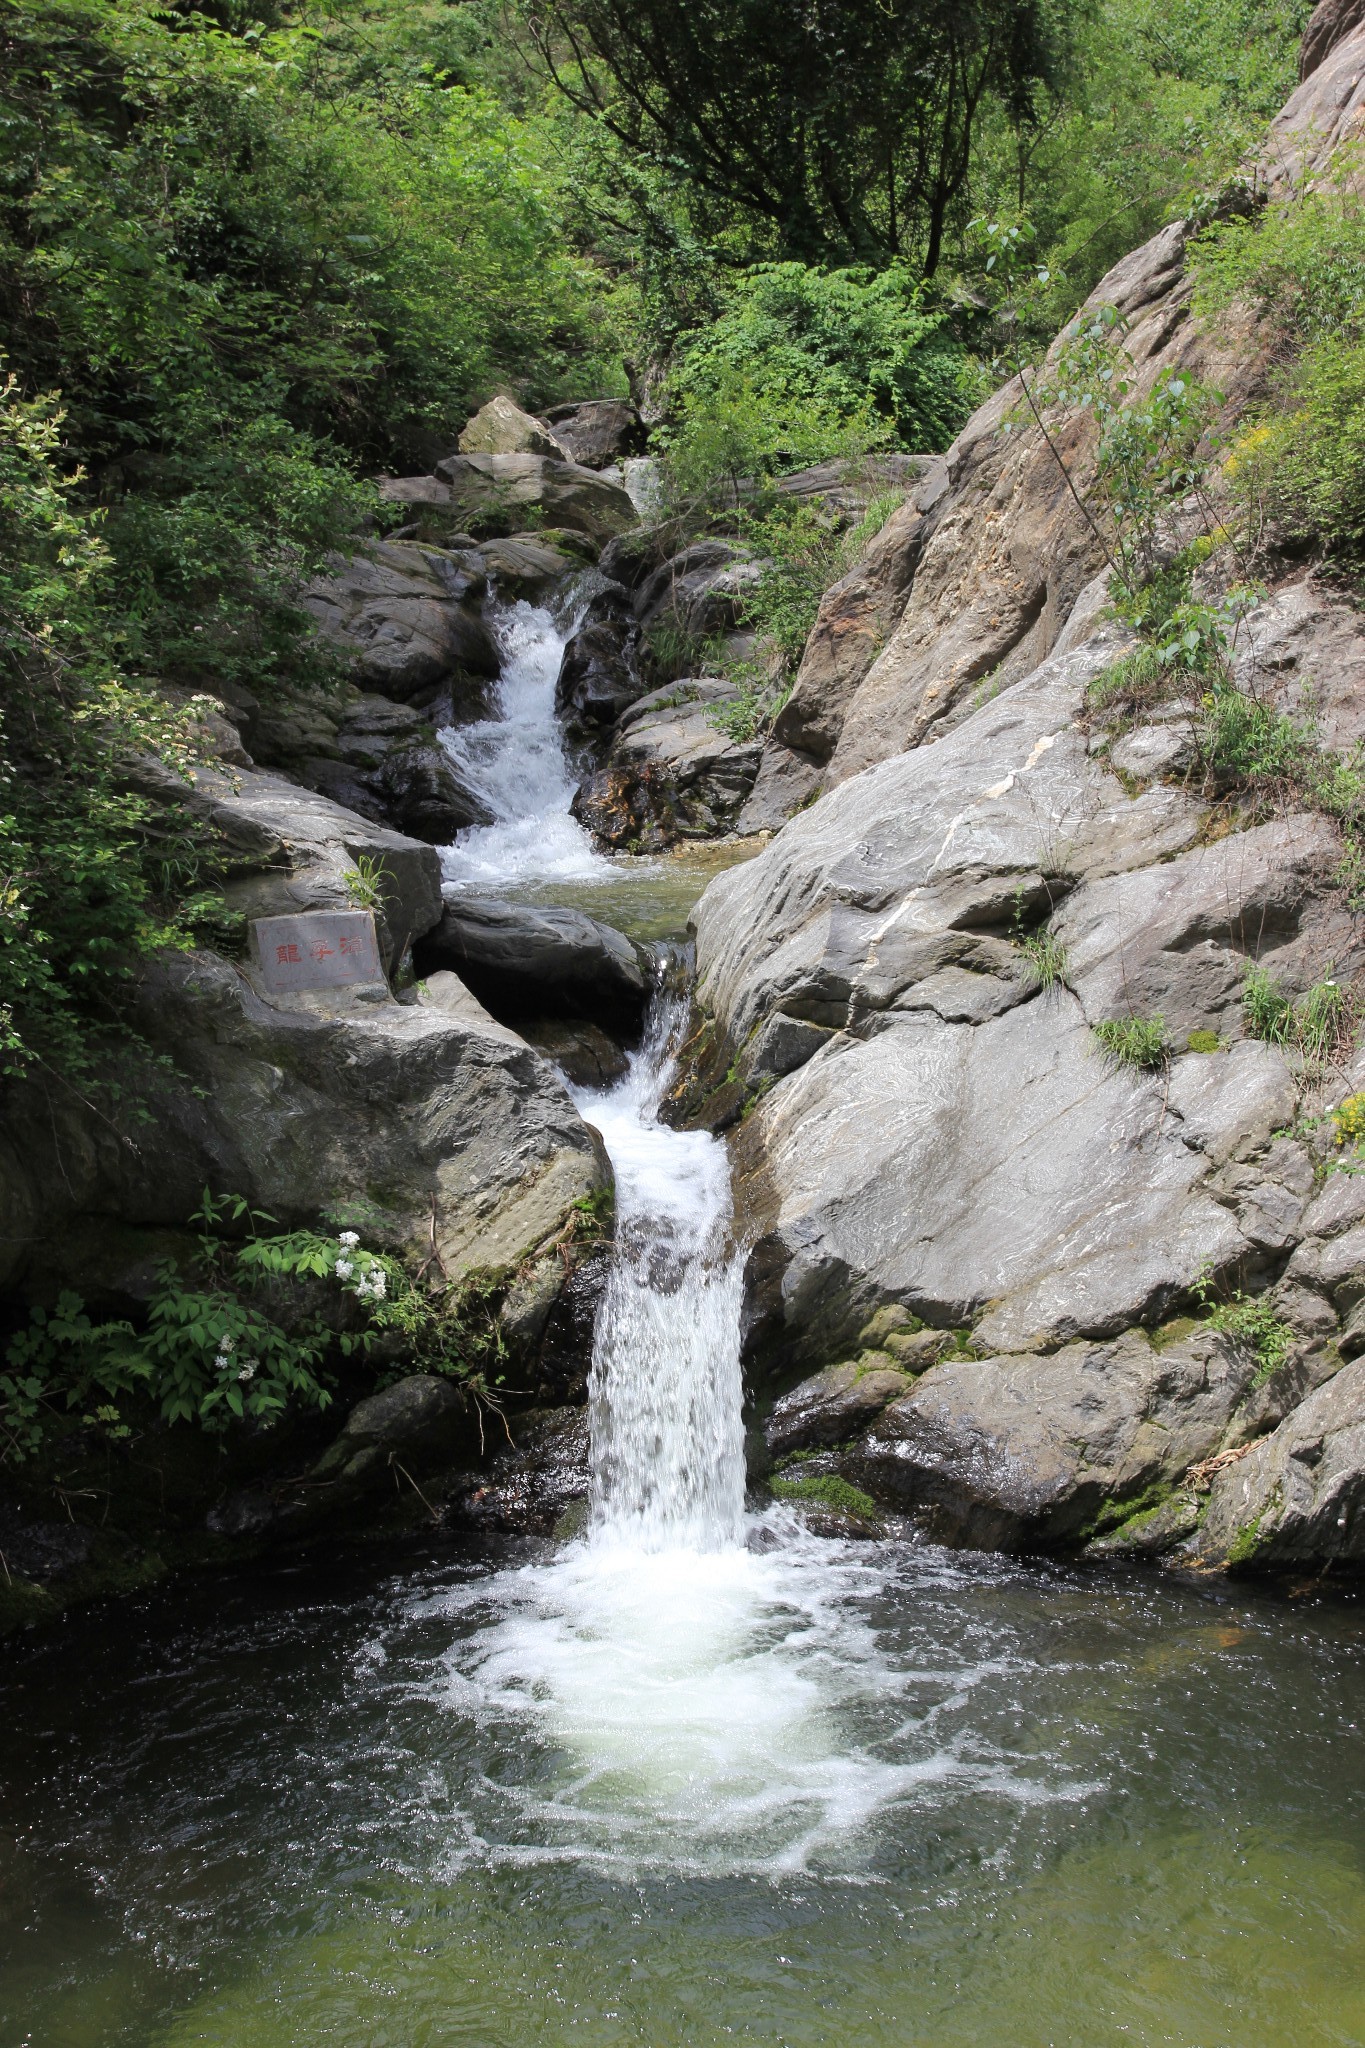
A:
<point x="933" y="1134"/>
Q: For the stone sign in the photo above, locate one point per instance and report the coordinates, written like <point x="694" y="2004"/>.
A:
<point x="316" y="949"/>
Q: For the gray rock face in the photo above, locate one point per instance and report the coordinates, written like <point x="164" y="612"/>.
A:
<point x="524" y="961"/>
<point x="1013" y="1453"/>
<point x="1174" y="940"/>
<point x="441" y="1132"/>
<point x="404" y="616"/>
<point x="671" y="772"/>
<point x="598" y="431"/>
<point x="293" y="849"/>
<point x="897" y="893"/>
<point x="701" y="589"/>
<point x="525" y="564"/>
<point x="415" y="788"/>
<point x="944" y="1135"/>
<point x="1298" y="1496"/>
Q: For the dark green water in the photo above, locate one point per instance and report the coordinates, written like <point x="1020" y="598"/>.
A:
<point x="807" y="1795"/>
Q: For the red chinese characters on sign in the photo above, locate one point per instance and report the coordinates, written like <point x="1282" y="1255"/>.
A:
<point x="316" y="949"/>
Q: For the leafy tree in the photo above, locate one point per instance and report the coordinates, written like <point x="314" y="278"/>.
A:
<point x="845" y="130"/>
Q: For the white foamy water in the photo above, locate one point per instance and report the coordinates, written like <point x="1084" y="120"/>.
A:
<point x="684" y="1688"/>
<point x="516" y="761"/>
<point x="710" y="1689"/>
<point x="665" y="1392"/>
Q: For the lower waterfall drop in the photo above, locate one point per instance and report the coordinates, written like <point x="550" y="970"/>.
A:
<point x="666" y="1397"/>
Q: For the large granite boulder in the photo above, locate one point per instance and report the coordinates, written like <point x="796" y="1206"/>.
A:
<point x="1012" y="1453"/>
<point x="939" y="1130"/>
<point x="405" y="617"/>
<point x="522" y="960"/>
<point x="448" y="1136"/>
<point x="290" y="849"/>
<point x="502" y="428"/>
<point x="1298" y="1495"/>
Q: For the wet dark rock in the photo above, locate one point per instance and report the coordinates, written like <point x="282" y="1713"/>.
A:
<point x="834" y="1405"/>
<point x="584" y="1053"/>
<point x="535" y="1480"/>
<point x="415" y="789"/>
<point x="521" y="960"/>
<point x="43" y="1552"/>
<point x="419" y="1421"/>
<point x="600" y="675"/>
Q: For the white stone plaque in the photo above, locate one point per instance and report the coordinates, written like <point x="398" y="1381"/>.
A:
<point x="316" y="949"/>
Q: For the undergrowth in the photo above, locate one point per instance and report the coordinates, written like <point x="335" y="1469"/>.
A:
<point x="249" y="1327"/>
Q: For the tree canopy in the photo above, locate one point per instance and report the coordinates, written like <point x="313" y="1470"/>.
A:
<point x="846" y="126"/>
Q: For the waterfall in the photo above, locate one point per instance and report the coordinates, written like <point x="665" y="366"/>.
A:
<point x="516" y="761"/>
<point x="665" y="1393"/>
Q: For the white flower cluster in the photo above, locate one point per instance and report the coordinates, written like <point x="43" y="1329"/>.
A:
<point x="373" y="1283"/>
<point x="226" y="1344"/>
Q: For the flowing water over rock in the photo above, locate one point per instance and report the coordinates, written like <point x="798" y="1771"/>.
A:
<point x="697" y="1777"/>
<point x="517" y="762"/>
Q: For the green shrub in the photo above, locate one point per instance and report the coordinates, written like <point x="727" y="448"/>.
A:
<point x="1251" y="1319"/>
<point x="1301" y="264"/>
<point x="1138" y="1042"/>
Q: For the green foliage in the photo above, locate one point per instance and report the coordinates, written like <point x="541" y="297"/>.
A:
<point x="1348" y="1119"/>
<point x="254" y="1326"/>
<point x="240" y="266"/>
<point x="365" y="882"/>
<point x="93" y="876"/>
<point x="1318" y="1025"/>
<point x="832" y="133"/>
<point x="1301" y="265"/>
<point x="806" y="552"/>
<point x="827" y="1491"/>
<point x="1152" y="446"/>
<point x="803" y="364"/>
<point x="1138" y="1042"/>
<point x="1203" y="1041"/>
<point x="1164" y="100"/>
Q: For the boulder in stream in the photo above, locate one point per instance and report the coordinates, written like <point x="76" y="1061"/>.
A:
<point x="528" y="960"/>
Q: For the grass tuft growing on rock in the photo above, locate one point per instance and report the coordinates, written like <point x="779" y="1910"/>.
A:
<point x="1137" y="1042"/>
<point x="1318" y="1025"/>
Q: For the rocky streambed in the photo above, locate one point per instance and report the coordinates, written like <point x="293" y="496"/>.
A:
<point x="1000" y="1287"/>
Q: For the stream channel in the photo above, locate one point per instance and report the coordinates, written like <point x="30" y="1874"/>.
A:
<point x="698" y="1776"/>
